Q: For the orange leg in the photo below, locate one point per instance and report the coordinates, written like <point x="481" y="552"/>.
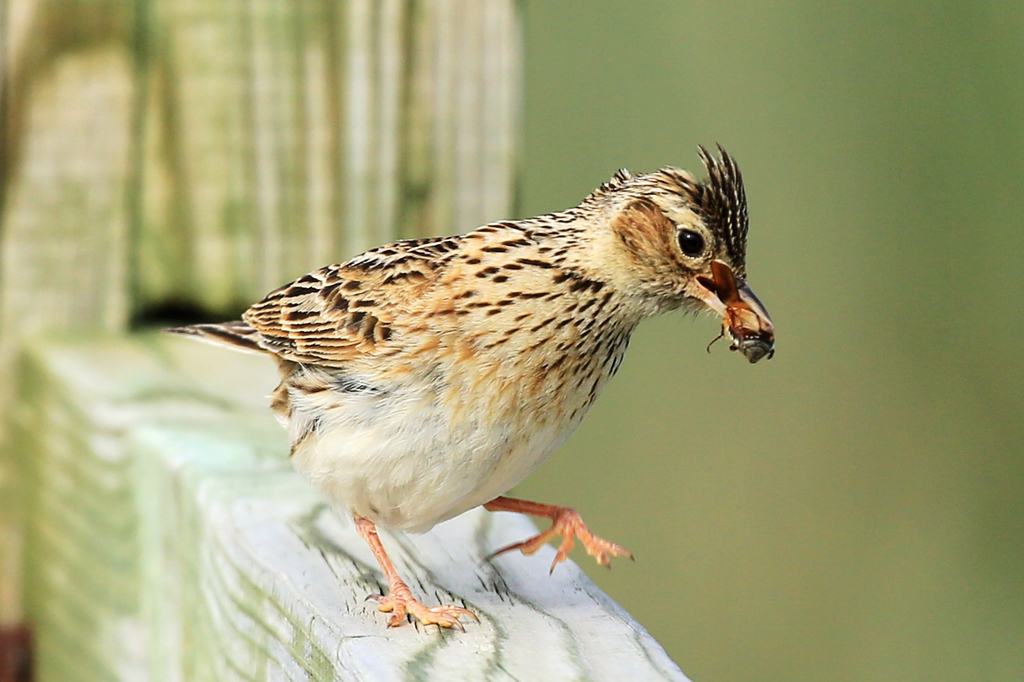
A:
<point x="566" y="522"/>
<point x="399" y="600"/>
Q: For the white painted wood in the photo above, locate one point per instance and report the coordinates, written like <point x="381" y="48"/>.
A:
<point x="171" y="540"/>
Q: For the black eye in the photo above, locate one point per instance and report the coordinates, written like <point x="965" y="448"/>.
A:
<point x="691" y="243"/>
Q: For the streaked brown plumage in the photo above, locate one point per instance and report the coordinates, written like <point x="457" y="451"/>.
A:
<point x="426" y="377"/>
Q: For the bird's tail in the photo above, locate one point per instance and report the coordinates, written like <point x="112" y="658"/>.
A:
<point x="237" y="334"/>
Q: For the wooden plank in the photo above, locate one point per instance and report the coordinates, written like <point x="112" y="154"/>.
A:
<point x="284" y="136"/>
<point x="64" y="237"/>
<point x="171" y="540"/>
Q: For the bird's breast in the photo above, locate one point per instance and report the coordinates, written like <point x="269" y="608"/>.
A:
<point x="421" y="441"/>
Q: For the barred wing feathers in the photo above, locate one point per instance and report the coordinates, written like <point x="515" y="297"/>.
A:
<point x="341" y="312"/>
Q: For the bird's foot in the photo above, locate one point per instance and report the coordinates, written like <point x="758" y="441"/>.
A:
<point x="399" y="602"/>
<point x="565" y="521"/>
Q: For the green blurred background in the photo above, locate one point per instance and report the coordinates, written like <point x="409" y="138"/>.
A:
<point x="851" y="510"/>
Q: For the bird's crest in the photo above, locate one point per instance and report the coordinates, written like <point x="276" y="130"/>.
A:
<point x="722" y="202"/>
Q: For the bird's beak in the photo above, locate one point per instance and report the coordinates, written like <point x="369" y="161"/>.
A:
<point x="744" y="320"/>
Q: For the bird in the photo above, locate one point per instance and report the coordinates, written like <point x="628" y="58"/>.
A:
<point x="427" y="377"/>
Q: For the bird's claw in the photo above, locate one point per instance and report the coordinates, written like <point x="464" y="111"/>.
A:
<point x="569" y="524"/>
<point x="400" y="604"/>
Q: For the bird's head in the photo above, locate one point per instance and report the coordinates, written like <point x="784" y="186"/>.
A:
<point x="684" y="241"/>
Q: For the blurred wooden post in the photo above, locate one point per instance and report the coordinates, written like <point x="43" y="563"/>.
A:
<point x="161" y="156"/>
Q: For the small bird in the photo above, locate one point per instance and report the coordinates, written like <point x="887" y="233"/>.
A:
<point x="427" y="377"/>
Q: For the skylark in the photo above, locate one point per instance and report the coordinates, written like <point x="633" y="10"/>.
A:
<point x="429" y="376"/>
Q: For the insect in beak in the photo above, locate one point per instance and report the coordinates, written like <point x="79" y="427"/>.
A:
<point x="745" y="322"/>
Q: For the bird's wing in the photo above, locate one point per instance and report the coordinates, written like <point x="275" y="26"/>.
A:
<point x="342" y="312"/>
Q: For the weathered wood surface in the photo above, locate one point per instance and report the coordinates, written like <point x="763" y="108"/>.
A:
<point x="171" y="540"/>
<point x="212" y="150"/>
